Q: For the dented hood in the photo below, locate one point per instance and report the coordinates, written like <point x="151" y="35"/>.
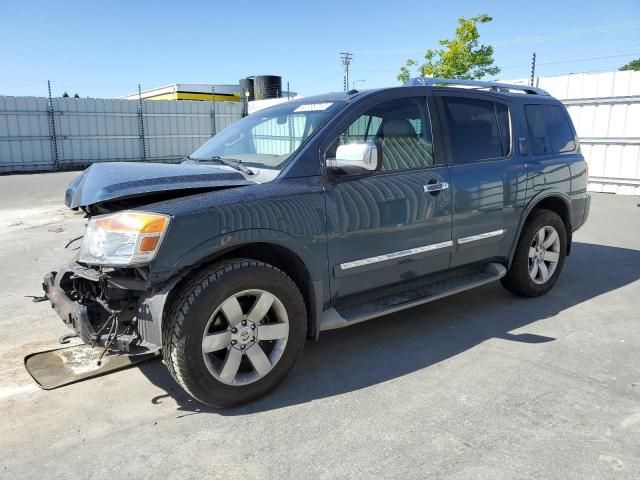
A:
<point x="103" y="182"/>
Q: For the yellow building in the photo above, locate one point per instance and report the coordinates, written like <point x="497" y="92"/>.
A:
<point x="191" y="91"/>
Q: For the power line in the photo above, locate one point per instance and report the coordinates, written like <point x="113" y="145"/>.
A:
<point x="572" y="33"/>
<point x="315" y="82"/>
<point x="532" y="39"/>
<point x="571" y="60"/>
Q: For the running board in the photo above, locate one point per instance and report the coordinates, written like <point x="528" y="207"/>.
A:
<point x="344" y="316"/>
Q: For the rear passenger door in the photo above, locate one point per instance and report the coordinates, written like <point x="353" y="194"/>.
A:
<point x="487" y="177"/>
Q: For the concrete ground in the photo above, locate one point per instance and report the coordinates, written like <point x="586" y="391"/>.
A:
<point x="480" y="385"/>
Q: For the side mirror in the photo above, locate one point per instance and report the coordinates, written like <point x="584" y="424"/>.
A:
<point x="355" y="157"/>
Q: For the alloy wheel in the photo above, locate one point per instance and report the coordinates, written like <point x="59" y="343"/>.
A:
<point x="544" y="254"/>
<point x="245" y="337"/>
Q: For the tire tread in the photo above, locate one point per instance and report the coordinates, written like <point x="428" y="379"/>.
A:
<point x="179" y="306"/>
<point x="517" y="279"/>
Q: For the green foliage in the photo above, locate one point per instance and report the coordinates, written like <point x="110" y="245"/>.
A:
<point x="461" y="58"/>
<point x="632" y="65"/>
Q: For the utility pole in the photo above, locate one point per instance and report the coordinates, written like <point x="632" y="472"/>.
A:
<point x="143" y="146"/>
<point x="52" y="128"/>
<point x="345" y="58"/>
<point x="213" y="111"/>
<point x="533" y="68"/>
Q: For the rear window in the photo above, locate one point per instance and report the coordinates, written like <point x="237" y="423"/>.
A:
<point x="478" y="129"/>
<point x="549" y="129"/>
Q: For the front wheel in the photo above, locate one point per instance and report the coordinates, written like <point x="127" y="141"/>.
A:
<point x="234" y="332"/>
<point x="539" y="255"/>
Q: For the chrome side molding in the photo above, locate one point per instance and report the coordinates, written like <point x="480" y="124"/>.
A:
<point x="418" y="250"/>
<point x="481" y="236"/>
<point x="391" y="256"/>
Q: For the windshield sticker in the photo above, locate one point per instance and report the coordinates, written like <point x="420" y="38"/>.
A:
<point x="313" y="107"/>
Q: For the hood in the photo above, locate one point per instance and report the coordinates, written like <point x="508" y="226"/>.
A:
<point x="103" y="182"/>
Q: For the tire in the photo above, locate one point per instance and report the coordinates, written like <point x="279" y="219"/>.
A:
<point x="209" y="304"/>
<point x="524" y="278"/>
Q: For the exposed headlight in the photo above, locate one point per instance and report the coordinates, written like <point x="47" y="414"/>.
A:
<point x="123" y="238"/>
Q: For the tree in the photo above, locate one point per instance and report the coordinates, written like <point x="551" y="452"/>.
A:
<point x="632" y="65"/>
<point x="460" y="58"/>
<point x="76" y="95"/>
<point x="65" y="95"/>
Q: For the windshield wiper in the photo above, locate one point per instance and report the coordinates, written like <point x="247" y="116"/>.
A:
<point x="235" y="164"/>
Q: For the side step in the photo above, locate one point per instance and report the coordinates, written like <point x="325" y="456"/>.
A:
<point x="344" y="316"/>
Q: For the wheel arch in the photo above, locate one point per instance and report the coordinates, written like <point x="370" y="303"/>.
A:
<point x="272" y="253"/>
<point x="554" y="201"/>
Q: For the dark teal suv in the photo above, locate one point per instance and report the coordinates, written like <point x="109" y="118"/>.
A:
<point x="317" y="214"/>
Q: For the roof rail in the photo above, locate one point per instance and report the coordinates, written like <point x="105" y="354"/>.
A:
<point x="495" y="86"/>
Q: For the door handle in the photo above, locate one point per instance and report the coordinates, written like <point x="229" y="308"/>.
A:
<point x="436" y="187"/>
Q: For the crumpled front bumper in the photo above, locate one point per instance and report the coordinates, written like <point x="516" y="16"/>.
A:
<point x="141" y="318"/>
<point x="73" y="314"/>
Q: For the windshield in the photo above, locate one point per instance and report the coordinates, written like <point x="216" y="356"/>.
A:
<point x="268" y="138"/>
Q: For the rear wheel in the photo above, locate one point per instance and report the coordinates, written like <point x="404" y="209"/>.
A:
<point x="234" y="332"/>
<point x="539" y="255"/>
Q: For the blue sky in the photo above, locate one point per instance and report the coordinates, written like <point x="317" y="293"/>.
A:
<point x="104" y="49"/>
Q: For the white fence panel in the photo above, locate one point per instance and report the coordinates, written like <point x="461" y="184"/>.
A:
<point x="25" y="143"/>
<point x="93" y="130"/>
<point x="101" y="130"/>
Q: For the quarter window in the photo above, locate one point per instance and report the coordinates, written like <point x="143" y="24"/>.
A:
<point x="549" y="129"/>
<point x="478" y="129"/>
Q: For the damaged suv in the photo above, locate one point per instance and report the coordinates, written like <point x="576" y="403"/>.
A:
<point x="316" y="214"/>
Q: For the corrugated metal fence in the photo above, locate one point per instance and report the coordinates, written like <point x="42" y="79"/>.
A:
<point x="38" y="135"/>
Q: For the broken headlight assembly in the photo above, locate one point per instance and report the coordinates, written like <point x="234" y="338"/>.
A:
<point x="126" y="238"/>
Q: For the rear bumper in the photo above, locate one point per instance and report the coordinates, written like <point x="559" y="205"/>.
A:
<point x="587" y="208"/>
<point x="133" y="327"/>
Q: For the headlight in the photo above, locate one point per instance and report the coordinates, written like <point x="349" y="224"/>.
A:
<point x="123" y="238"/>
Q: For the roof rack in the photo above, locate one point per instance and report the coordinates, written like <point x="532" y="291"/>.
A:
<point x="494" y="86"/>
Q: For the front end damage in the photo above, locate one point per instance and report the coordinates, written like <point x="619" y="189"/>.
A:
<point x="110" y="308"/>
<point x="105" y="295"/>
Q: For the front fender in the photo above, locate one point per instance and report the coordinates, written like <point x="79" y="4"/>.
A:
<point x="311" y="253"/>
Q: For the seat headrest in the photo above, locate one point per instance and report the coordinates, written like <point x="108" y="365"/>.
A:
<point x="398" y="128"/>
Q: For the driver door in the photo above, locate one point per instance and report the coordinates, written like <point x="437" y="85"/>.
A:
<point x="391" y="225"/>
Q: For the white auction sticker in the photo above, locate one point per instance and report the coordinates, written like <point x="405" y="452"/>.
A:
<point x="313" y="107"/>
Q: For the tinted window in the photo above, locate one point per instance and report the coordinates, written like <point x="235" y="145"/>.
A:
<point x="549" y="129"/>
<point x="401" y="128"/>
<point x="478" y="129"/>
